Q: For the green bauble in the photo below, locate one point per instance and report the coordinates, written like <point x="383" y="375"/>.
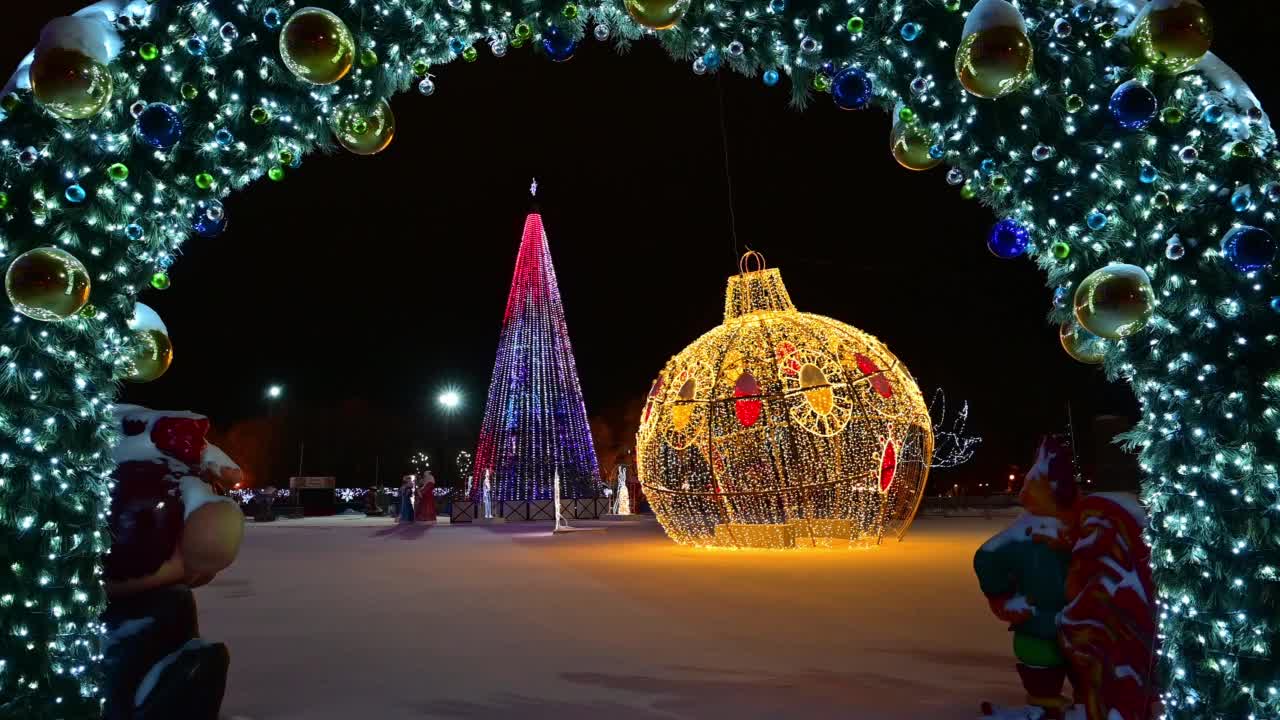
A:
<point x="910" y="144"/>
<point x="1173" y="35"/>
<point x="364" y="128"/>
<point x="995" y="55"/>
<point x="1115" y="302"/>
<point x="47" y="284"/>
<point x="69" y="83"/>
<point x="657" y="14"/>
<point x="152" y="355"/>
<point x="317" y="46"/>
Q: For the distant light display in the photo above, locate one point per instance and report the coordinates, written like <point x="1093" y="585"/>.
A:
<point x="782" y="429"/>
<point x="535" y="422"/>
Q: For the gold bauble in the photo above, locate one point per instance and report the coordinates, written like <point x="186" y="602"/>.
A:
<point x="47" y="284"/>
<point x="317" y="46"/>
<point x="783" y="429"/>
<point x="1173" y="35"/>
<point x="995" y="56"/>
<point x="69" y="83"/>
<point x="1115" y="302"/>
<point x="152" y="355"/>
<point x="1081" y="344"/>
<point x="656" y="14"/>
<point x="364" y="128"/>
<point x="910" y="144"/>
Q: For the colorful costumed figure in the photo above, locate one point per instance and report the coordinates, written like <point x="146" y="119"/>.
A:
<point x="1108" y="628"/>
<point x="1023" y="572"/>
<point x="426" y="510"/>
<point x="170" y="533"/>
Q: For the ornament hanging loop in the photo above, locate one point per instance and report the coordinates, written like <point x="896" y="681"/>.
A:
<point x="751" y="262"/>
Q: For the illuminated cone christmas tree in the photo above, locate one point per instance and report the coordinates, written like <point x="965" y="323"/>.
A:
<point x="535" y="422"/>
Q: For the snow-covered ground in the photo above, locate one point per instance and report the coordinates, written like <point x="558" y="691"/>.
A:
<point x="356" y="618"/>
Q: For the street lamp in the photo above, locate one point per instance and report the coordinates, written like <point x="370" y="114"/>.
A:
<point x="450" y="400"/>
<point x="274" y="392"/>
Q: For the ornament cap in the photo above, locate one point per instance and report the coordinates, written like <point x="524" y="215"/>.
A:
<point x="756" y="289"/>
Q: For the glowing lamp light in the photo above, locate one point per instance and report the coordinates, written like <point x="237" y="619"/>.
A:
<point x="450" y="399"/>
<point x="274" y="392"/>
<point x="781" y="429"/>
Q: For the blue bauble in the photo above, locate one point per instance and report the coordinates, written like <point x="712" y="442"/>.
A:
<point x="208" y="219"/>
<point x="1241" y="199"/>
<point x="271" y="18"/>
<point x="711" y="60"/>
<point x="852" y="89"/>
<point x="770" y="77"/>
<point x="164" y="262"/>
<point x="224" y="137"/>
<point x="1214" y="114"/>
<point x="988" y="166"/>
<point x="1097" y="220"/>
<point x="196" y="47"/>
<point x="1082" y="12"/>
<point x="1248" y="248"/>
<point x="936" y="152"/>
<point x="1008" y="240"/>
<point x="1133" y="106"/>
<point x="911" y="31"/>
<point x="560" y="47"/>
<point x="1148" y="174"/>
<point x="456" y="46"/>
<point x="1275" y="304"/>
<point x="75" y="194"/>
<point x="159" y="126"/>
<point x="133" y="231"/>
<point x="777" y="6"/>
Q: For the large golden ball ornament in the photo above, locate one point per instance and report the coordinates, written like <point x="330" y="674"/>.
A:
<point x="1173" y="35"/>
<point x="152" y="355"/>
<point x="69" y="83"/>
<point x="317" y="46"/>
<point x="1082" y="345"/>
<point x="1115" y="302"/>
<point x="911" y="146"/>
<point x="995" y="57"/>
<point x="47" y="284"/>
<point x="782" y="429"/>
<point x="656" y="14"/>
<point x="364" y="128"/>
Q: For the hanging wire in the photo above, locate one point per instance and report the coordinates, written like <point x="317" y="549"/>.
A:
<point x="728" y="176"/>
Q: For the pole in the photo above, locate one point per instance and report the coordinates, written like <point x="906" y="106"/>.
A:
<point x="301" y="449"/>
<point x="1075" y="455"/>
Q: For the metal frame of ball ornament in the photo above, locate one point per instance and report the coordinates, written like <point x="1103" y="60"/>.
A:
<point x="799" y="462"/>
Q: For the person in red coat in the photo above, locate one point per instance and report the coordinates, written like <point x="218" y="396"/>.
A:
<point x="426" y="511"/>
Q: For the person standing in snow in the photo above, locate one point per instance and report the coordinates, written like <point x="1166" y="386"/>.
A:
<point x="1023" y="571"/>
<point x="426" y="511"/>
<point x="407" y="490"/>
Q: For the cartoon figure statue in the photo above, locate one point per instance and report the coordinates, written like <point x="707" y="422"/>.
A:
<point x="426" y="508"/>
<point x="170" y="533"/>
<point x="1108" y="628"/>
<point x="1023" y="572"/>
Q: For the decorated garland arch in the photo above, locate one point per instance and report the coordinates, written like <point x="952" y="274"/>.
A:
<point x="1096" y="137"/>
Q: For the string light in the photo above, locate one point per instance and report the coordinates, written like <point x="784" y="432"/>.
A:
<point x="535" y="422"/>
<point x="781" y="429"/>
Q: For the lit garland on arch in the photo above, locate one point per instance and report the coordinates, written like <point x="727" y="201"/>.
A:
<point x="782" y="429"/>
<point x="1097" y="137"/>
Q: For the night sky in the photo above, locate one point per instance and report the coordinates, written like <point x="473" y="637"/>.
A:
<point x="366" y="285"/>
